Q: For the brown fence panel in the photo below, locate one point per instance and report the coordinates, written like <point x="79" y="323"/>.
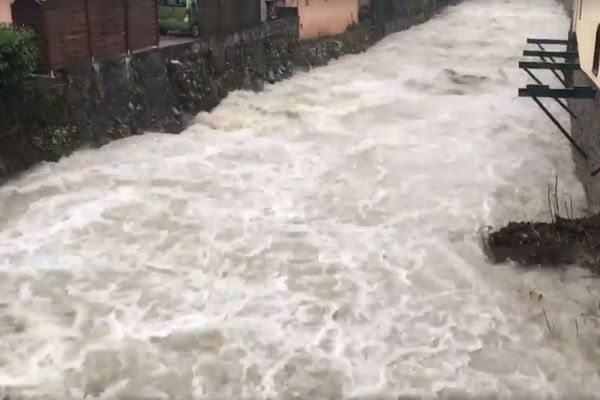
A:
<point x="28" y="13"/>
<point x="107" y="23"/>
<point x="142" y="24"/>
<point x="249" y="11"/>
<point x="208" y="13"/>
<point x="229" y="16"/>
<point x="66" y="33"/>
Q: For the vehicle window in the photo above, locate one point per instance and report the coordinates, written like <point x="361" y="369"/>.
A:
<point x="176" y="3"/>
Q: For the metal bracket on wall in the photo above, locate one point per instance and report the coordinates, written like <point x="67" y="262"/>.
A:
<point x="576" y="92"/>
<point x="550" y="54"/>
<point x="560" y="127"/>
<point x="547" y="41"/>
<point x="543" y="91"/>
<point x="540" y="90"/>
<point x="543" y="54"/>
<point x="552" y="66"/>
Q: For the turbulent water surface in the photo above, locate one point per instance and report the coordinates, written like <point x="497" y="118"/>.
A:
<point x="319" y="239"/>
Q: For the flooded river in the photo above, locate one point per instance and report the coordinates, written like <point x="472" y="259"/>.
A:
<point x="315" y="240"/>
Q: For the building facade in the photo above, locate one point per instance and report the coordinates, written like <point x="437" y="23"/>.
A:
<point x="5" y="14"/>
<point x="323" y="17"/>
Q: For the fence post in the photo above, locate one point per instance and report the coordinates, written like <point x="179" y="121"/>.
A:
<point x="219" y="19"/>
<point x="156" y="22"/>
<point x="89" y="30"/>
<point x="127" y="46"/>
<point x="45" y="39"/>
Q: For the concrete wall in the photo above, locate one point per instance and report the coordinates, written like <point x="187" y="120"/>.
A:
<point x="585" y="129"/>
<point x="5" y="14"/>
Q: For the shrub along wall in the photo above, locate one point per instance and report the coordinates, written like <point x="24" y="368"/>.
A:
<point x="18" y="56"/>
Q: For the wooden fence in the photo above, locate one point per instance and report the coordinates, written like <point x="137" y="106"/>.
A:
<point x="73" y="32"/>
<point x="226" y="16"/>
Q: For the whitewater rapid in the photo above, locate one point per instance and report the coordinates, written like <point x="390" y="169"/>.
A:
<point x="316" y="240"/>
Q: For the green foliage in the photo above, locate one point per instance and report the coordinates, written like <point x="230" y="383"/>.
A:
<point x="18" y="55"/>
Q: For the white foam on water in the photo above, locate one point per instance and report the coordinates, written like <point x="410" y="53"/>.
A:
<point x="318" y="239"/>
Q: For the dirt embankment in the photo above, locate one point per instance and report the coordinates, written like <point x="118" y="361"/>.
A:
<point x="563" y="241"/>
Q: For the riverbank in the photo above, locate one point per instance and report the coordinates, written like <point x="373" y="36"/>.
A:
<point x="562" y="241"/>
<point x="161" y="89"/>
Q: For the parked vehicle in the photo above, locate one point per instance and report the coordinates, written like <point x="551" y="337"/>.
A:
<point x="178" y="16"/>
